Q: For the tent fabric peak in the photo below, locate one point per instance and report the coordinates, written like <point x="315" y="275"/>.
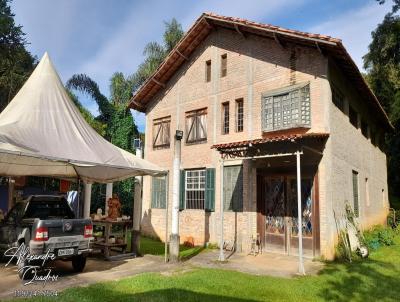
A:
<point x="42" y="133"/>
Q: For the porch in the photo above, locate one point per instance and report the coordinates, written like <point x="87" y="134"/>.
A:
<point x="284" y="169"/>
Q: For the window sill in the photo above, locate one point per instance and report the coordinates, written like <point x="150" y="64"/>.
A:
<point x="203" y="141"/>
<point x="161" y="147"/>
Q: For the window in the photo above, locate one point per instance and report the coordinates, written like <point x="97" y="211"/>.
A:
<point x="287" y="108"/>
<point x="367" y="202"/>
<point x="208" y="71"/>
<point x="233" y="188"/>
<point x="364" y="128"/>
<point x="161" y="132"/>
<point x="353" y="117"/>
<point x="355" y="194"/>
<point x="224" y="61"/>
<point x="225" y="118"/>
<point x="195" y="188"/>
<point x="373" y="138"/>
<point x="158" y="192"/>
<point x="337" y="98"/>
<point x="196" y="126"/>
<point x="239" y="115"/>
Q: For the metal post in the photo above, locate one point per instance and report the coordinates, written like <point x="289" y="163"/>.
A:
<point x="87" y="199"/>
<point x="175" y="239"/>
<point x="166" y="218"/>
<point x="221" y="208"/>
<point x="137" y="209"/>
<point x="300" y="225"/>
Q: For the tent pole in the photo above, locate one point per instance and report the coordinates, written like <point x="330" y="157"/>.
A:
<point x="137" y="209"/>
<point x="299" y="212"/>
<point x="221" y="209"/>
<point x="88" y="197"/>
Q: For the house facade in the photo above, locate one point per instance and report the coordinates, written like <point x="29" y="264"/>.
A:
<point x="247" y="97"/>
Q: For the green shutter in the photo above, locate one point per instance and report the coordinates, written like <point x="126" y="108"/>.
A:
<point x="182" y="191"/>
<point x="210" y="190"/>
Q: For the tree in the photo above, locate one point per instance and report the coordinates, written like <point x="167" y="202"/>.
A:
<point x="16" y="63"/>
<point x="382" y="63"/>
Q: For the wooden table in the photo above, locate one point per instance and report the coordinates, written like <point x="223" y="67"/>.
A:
<point x="103" y="242"/>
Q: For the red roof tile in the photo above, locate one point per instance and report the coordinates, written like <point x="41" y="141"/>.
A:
<point x="278" y="138"/>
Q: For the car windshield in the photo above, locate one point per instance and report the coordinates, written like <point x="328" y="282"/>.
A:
<point x="44" y="208"/>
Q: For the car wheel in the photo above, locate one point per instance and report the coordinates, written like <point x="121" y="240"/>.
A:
<point x="78" y="263"/>
<point x="23" y="266"/>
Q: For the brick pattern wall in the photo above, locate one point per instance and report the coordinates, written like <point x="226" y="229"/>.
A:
<point x="254" y="66"/>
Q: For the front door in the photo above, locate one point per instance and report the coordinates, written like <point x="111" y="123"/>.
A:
<point x="277" y="219"/>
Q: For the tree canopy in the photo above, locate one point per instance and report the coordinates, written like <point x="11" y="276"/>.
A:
<point x="16" y="62"/>
<point x="382" y="63"/>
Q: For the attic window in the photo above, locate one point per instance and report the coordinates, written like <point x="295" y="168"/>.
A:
<point x="224" y="61"/>
<point x="353" y="117"/>
<point x="208" y="71"/>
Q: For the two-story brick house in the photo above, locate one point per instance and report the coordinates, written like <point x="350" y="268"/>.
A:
<point x="254" y="94"/>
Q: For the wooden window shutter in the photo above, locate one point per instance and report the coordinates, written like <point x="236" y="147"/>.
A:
<point x="210" y="190"/>
<point x="182" y="191"/>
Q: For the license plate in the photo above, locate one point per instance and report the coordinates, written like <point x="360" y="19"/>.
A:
<point x="66" y="252"/>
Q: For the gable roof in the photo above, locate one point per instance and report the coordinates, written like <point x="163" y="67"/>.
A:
<point x="205" y="24"/>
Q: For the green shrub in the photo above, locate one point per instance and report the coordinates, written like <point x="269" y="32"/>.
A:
<point x="379" y="236"/>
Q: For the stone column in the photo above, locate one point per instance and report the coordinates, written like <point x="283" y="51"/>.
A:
<point x="137" y="209"/>
<point x="87" y="199"/>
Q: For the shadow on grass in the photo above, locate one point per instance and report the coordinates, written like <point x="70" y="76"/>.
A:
<point x="368" y="280"/>
<point x="171" y="294"/>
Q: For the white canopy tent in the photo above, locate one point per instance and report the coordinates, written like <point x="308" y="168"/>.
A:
<point x="42" y="133"/>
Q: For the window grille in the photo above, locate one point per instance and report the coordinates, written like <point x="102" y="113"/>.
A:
<point x="161" y="132"/>
<point x="287" y="108"/>
<point x="239" y="115"/>
<point x="196" y="126"/>
<point x="338" y="98"/>
<point x="195" y="183"/>
<point x="225" y="118"/>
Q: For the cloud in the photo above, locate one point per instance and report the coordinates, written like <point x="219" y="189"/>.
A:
<point x="354" y="28"/>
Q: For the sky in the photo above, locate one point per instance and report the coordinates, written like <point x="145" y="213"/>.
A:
<point x="100" y="37"/>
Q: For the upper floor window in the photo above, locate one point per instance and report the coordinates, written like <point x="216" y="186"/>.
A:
<point x="196" y="126"/>
<point x="353" y="116"/>
<point x="239" y="115"/>
<point x="224" y="61"/>
<point x="364" y="128"/>
<point x="225" y="118"/>
<point x="287" y="107"/>
<point x="208" y="71"/>
<point x="161" y="132"/>
<point x="338" y="98"/>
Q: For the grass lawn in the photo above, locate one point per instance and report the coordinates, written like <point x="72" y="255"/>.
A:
<point x="375" y="279"/>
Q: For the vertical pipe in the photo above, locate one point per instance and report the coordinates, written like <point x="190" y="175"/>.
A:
<point x="174" y="240"/>
<point x="166" y="218"/>
<point x="300" y="225"/>
<point x="87" y="199"/>
<point x="221" y="209"/>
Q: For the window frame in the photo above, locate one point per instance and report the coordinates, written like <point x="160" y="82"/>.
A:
<point x="163" y="193"/>
<point x="160" y="123"/>
<point x="225" y="118"/>
<point x="338" y="98"/>
<point x="224" y="65"/>
<point x="356" y="193"/>
<point x="241" y="115"/>
<point x="201" y="178"/>
<point x="277" y="107"/>
<point x="208" y="71"/>
<point x="196" y="126"/>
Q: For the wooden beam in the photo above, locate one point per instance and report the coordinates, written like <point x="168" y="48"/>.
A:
<point x="238" y="30"/>
<point x="158" y="83"/>
<point x="182" y="55"/>
<point x="278" y="41"/>
<point x="319" y="48"/>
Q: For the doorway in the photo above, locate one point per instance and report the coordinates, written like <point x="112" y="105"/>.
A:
<point x="277" y="218"/>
